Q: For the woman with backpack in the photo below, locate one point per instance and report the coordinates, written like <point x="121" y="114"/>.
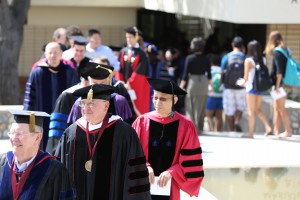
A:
<point x="253" y="66"/>
<point x="278" y="72"/>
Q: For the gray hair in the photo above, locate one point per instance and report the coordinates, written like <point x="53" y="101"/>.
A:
<point x="58" y="32"/>
<point x="39" y="129"/>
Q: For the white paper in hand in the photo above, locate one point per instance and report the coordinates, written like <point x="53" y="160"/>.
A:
<point x="163" y="191"/>
<point x="132" y="94"/>
<point x="275" y="95"/>
<point x="240" y="82"/>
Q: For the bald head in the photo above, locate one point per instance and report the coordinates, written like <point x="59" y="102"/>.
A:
<point x="52" y="45"/>
<point x="53" y="54"/>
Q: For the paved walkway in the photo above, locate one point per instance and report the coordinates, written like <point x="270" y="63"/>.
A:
<point x="237" y="168"/>
<point x="227" y="149"/>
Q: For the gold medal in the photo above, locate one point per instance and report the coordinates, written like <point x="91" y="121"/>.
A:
<point x="88" y="165"/>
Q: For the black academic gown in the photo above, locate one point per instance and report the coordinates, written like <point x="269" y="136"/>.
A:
<point x="59" y="117"/>
<point x="80" y="66"/>
<point x="119" y="169"/>
<point x="48" y="180"/>
<point x="44" y="85"/>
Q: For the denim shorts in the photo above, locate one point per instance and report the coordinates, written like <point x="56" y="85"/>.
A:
<point x="256" y="93"/>
<point x="214" y="103"/>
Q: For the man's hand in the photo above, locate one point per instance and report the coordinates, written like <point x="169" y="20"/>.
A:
<point x="151" y="175"/>
<point x="163" y="178"/>
<point x="127" y="86"/>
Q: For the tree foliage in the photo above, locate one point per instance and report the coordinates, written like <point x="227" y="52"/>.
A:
<point x="13" y="15"/>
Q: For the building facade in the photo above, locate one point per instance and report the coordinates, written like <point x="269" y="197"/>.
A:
<point x="158" y="19"/>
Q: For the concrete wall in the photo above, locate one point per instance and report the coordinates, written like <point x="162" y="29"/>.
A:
<point x="60" y="16"/>
<point x="42" y="21"/>
<point x="84" y="3"/>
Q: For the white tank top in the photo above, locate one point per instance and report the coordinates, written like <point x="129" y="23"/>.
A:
<point x="249" y="83"/>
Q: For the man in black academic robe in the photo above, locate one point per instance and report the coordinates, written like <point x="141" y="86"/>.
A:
<point x="46" y="82"/>
<point x="79" y="60"/>
<point x="67" y="111"/>
<point x="49" y="179"/>
<point x="28" y="173"/>
<point x="102" y="153"/>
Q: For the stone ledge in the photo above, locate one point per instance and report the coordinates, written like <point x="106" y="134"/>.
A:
<point x="293" y="109"/>
<point x="6" y="118"/>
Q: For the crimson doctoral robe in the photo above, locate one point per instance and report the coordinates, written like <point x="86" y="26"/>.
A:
<point x="135" y="69"/>
<point x="172" y="144"/>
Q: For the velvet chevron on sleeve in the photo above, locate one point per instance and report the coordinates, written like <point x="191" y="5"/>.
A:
<point x="44" y="85"/>
<point x="172" y="144"/>
<point x="48" y="180"/>
<point x="119" y="170"/>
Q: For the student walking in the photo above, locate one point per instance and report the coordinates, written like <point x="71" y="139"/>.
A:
<point x="277" y="74"/>
<point x="253" y="97"/>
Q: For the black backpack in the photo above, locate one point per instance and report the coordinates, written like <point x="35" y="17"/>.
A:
<point x="235" y="71"/>
<point x="262" y="80"/>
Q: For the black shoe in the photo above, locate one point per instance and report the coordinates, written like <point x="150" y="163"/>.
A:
<point x="238" y="128"/>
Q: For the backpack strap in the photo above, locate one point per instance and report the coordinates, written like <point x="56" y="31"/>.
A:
<point x="235" y="55"/>
<point x="281" y="50"/>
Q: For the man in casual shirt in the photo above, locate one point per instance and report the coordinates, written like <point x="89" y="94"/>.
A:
<point x="234" y="101"/>
<point x="95" y="48"/>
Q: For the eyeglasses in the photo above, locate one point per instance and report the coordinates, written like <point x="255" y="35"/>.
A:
<point x="83" y="103"/>
<point x="17" y="135"/>
<point x="162" y="99"/>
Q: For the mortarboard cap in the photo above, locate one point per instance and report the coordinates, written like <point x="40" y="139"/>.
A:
<point x="151" y="48"/>
<point x="33" y="118"/>
<point x="79" y="40"/>
<point x="97" y="71"/>
<point x="134" y="31"/>
<point x="115" y="48"/>
<point x="166" y="86"/>
<point x="95" y="91"/>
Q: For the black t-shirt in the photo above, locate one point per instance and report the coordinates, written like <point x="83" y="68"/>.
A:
<point x="196" y="65"/>
<point x="279" y="65"/>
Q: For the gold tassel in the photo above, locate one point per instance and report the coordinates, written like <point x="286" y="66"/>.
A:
<point x="110" y="79"/>
<point x="136" y="33"/>
<point x="31" y="122"/>
<point x="149" y="48"/>
<point x="110" y="73"/>
<point x="90" y="96"/>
